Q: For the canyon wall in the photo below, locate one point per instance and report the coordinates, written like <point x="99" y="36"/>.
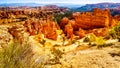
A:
<point x="82" y="23"/>
<point x="96" y="19"/>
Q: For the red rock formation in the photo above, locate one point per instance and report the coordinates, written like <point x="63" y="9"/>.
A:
<point x="68" y="30"/>
<point x="88" y="22"/>
<point x="64" y="22"/>
<point x="17" y="31"/>
<point x="47" y="28"/>
<point x="95" y="19"/>
<point x="99" y="31"/>
<point x="116" y="18"/>
<point x="81" y="33"/>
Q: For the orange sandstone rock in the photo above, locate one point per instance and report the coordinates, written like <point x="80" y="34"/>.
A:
<point x="96" y="22"/>
<point x="81" y="33"/>
<point x="47" y="28"/>
<point x="69" y="30"/>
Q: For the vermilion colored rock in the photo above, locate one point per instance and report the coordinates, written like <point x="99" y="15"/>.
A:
<point x="68" y="30"/>
<point x="47" y="28"/>
<point x="89" y="22"/>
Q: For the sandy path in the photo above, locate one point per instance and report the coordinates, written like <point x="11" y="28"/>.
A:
<point x="95" y="58"/>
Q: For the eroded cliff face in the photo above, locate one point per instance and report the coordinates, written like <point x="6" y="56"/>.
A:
<point x="96" y="22"/>
<point x="116" y="18"/>
<point x="48" y="28"/>
<point x="81" y="23"/>
<point x="97" y="18"/>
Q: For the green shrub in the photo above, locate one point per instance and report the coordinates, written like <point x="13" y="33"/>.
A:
<point x="95" y="41"/>
<point x="86" y="39"/>
<point x="16" y="55"/>
<point x="57" y="55"/>
<point x="115" y="32"/>
<point x="91" y="38"/>
<point x="58" y="17"/>
<point x="104" y="45"/>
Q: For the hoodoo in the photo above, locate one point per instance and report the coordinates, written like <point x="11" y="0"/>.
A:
<point x="88" y="22"/>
